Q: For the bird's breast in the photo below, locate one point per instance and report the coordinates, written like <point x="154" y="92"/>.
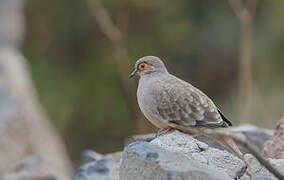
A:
<point x="144" y="97"/>
<point x="147" y="102"/>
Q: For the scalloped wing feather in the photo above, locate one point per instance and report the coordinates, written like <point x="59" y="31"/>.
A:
<point x="183" y="104"/>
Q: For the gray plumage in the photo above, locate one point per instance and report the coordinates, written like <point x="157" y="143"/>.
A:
<point x="165" y="99"/>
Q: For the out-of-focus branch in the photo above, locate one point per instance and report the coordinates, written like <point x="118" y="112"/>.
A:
<point x="241" y="139"/>
<point x="245" y="11"/>
<point x="115" y="35"/>
<point x="105" y="22"/>
<point x="236" y="6"/>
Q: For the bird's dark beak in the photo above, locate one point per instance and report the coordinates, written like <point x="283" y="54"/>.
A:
<point x="133" y="73"/>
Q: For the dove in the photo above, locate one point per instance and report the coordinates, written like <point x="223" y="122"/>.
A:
<point x="169" y="102"/>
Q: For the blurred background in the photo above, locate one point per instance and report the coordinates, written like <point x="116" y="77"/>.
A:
<point x="81" y="52"/>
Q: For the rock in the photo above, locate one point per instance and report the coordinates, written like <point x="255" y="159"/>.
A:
<point x="171" y="156"/>
<point x="144" y="137"/>
<point x="200" y="152"/>
<point x="274" y="147"/>
<point x="142" y="160"/>
<point x="256" y="135"/>
<point x="260" y="172"/>
<point x="102" y="167"/>
<point x="90" y="156"/>
<point x="31" y="167"/>
<point x="23" y="125"/>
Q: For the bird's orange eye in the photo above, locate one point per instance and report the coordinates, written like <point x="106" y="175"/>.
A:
<point x="142" y="66"/>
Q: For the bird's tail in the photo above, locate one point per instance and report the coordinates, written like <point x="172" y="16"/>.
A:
<point x="230" y="143"/>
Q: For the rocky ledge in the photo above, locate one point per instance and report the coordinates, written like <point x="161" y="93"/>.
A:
<point x="175" y="156"/>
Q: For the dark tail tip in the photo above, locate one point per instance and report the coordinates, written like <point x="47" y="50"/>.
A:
<point x="225" y="119"/>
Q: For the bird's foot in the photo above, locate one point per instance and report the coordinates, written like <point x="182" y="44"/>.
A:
<point x="163" y="131"/>
<point x="249" y="169"/>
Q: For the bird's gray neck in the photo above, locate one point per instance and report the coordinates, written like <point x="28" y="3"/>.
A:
<point x="152" y="76"/>
<point x="154" y="73"/>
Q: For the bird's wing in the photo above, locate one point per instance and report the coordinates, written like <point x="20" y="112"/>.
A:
<point x="183" y="104"/>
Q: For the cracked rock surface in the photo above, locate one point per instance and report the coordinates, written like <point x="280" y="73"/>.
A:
<point x="200" y="152"/>
<point x="173" y="156"/>
<point x="142" y="160"/>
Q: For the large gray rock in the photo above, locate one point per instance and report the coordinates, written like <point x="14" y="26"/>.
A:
<point x="200" y="152"/>
<point x="171" y="156"/>
<point x="255" y="135"/>
<point x="142" y="160"/>
<point x="98" y="167"/>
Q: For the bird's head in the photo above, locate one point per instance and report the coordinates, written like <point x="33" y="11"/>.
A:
<point x="148" y="65"/>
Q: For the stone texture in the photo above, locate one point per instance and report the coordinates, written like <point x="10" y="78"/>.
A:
<point x="142" y="160"/>
<point x="90" y="156"/>
<point x="274" y="147"/>
<point x="171" y="156"/>
<point x="99" y="167"/>
<point x="200" y="152"/>
<point x="256" y="135"/>
<point x="260" y="172"/>
<point x="32" y="167"/>
<point x="143" y="137"/>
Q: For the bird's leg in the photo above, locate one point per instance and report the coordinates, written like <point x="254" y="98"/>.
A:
<point x="232" y="145"/>
<point x="163" y="131"/>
